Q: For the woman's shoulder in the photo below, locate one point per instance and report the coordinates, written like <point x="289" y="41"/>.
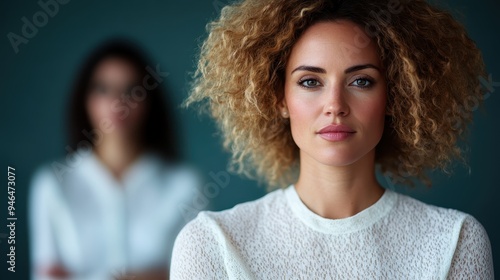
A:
<point x="432" y="218"/>
<point x="214" y="235"/>
<point x="240" y="218"/>
<point x="468" y="246"/>
<point x="459" y="236"/>
<point x="44" y="178"/>
<point x="61" y="170"/>
<point x="214" y="238"/>
<point x="45" y="188"/>
<point x="424" y="211"/>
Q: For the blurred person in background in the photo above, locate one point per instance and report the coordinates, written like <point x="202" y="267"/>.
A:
<point x="111" y="211"/>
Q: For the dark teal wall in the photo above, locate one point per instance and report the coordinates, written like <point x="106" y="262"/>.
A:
<point x="34" y="92"/>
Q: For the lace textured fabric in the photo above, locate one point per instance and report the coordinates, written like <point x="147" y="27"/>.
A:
<point x="278" y="237"/>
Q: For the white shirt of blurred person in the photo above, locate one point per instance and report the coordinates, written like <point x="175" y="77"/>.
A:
<point x="115" y="209"/>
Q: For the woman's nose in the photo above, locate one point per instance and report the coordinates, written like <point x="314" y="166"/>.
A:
<point x="336" y="104"/>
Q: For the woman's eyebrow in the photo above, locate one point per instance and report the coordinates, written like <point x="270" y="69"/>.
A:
<point x="360" y="67"/>
<point x="310" y="69"/>
<point x="347" y="71"/>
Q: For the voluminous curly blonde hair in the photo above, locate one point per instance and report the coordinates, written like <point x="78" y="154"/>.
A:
<point x="432" y="69"/>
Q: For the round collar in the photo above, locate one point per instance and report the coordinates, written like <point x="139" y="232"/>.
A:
<point x="361" y="220"/>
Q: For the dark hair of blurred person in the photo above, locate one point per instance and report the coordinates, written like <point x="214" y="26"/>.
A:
<point x="156" y="131"/>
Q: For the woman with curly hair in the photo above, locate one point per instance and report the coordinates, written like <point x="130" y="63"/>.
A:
<point x="312" y="97"/>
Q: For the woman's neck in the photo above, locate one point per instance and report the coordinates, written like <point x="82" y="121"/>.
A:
<point x="118" y="154"/>
<point x="338" y="192"/>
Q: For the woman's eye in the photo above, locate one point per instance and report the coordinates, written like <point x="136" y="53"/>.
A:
<point x="309" y="83"/>
<point x="102" y="90"/>
<point x="129" y="89"/>
<point x="99" y="89"/>
<point x="362" y="83"/>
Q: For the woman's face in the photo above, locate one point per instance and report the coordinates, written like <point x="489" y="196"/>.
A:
<point x="110" y="105"/>
<point x="335" y="94"/>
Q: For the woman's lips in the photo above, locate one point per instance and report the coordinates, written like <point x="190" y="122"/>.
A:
<point x="336" y="132"/>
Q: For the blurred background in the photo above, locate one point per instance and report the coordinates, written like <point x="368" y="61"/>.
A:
<point x="37" y="74"/>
